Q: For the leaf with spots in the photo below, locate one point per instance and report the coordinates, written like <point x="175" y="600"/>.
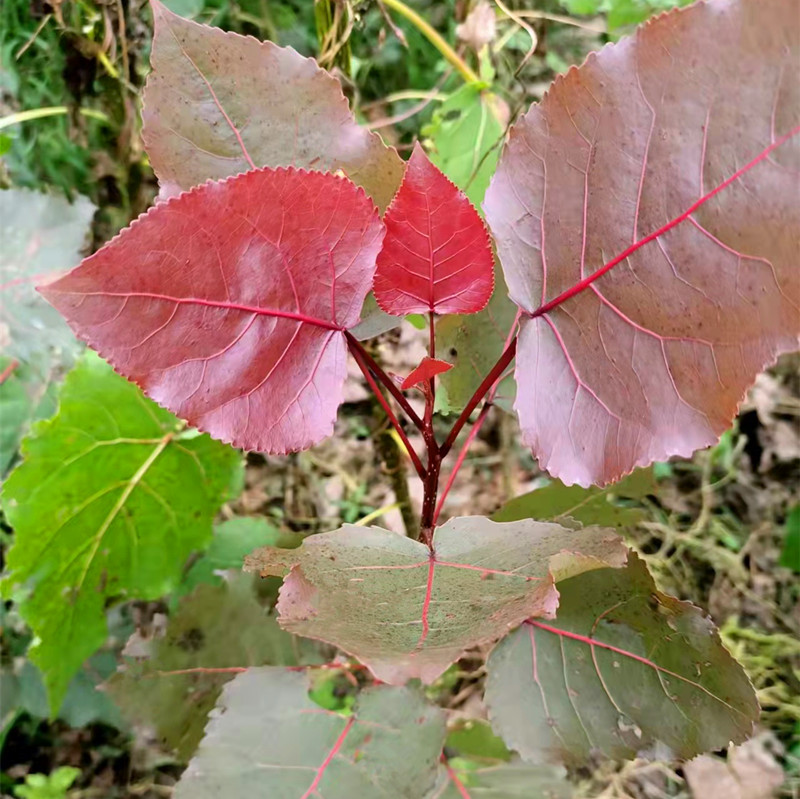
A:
<point x="406" y="611"/>
<point x="646" y="219"/>
<point x="111" y="497"/>
<point x="215" y="627"/>
<point x="624" y="671"/>
<point x="436" y="256"/>
<point x="218" y="103"/>
<point x="231" y="311"/>
<point x="269" y="739"/>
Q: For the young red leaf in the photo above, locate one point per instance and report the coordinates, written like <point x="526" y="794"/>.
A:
<point x="427" y="370"/>
<point x="683" y="182"/>
<point x="407" y="612"/>
<point x="436" y="256"/>
<point x="218" y="103"/>
<point x="227" y="305"/>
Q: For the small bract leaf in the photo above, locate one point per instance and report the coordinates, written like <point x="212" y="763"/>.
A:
<point x="219" y="103"/>
<point x="652" y="251"/>
<point x="408" y="612"/>
<point x="269" y="739"/>
<point x="42" y="236"/>
<point x="427" y="370"/>
<point x="436" y="255"/>
<point x="586" y="505"/>
<point x="109" y="501"/>
<point x="227" y="305"/>
<point x="624" y="671"/>
<point x="214" y="628"/>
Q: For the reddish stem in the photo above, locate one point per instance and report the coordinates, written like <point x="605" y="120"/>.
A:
<point x="457" y="784"/>
<point x="460" y="459"/>
<point x="487" y="384"/>
<point x="365" y="370"/>
<point x="355" y="346"/>
<point x="8" y="371"/>
<point x="312" y="789"/>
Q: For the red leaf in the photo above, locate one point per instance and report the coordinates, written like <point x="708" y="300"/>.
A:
<point x="227" y="305"/>
<point x="436" y="256"/>
<point x="690" y="175"/>
<point x="427" y="370"/>
<point x="217" y="103"/>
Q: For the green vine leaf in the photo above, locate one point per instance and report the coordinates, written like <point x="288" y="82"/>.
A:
<point x="215" y="627"/>
<point x="595" y="505"/>
<point x="463" y="779"/>
<point x="110" y="499"/>
<point x="269" y="739"/>
<point x="624" y="671"/>
<point x="407" y="612"/>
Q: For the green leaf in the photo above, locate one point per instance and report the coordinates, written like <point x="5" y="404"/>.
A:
<point x="474" y="739"/>
<point x="52" y="786"/>
<point x="586" y="505"/>
<point x="790" y="557"/>
<point x="26" y="394"/>
<point x="269" y="739"/>
<point x="42" y="236"/>
<point x="465" y="137"/>
<point x="110" y="499"/>
<point x="233" y="539"/>
<point x="624" y="671"/>
<point x="406" y="612"/>
<point x="215" y="627"/>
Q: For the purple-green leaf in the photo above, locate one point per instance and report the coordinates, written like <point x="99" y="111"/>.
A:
<point x="407" y="612"/>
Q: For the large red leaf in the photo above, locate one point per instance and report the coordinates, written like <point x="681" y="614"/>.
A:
<point x="217" y="103"/>
<point x="672" y="156"/>
<point x="227" y="305"/>
<point x="436" y="256"/>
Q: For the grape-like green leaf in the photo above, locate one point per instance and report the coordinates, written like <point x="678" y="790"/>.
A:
<point x="110" y="499"/>
<point x="215" y="627"/>
<point x="268" y="739"/>
<point x="463" y="779"/>
<point x="624" y="671"/>
<point x="594" y="505"/>
<point x="406" y="611"/>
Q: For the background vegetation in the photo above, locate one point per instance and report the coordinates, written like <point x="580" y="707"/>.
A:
<point x="722" y="529"/>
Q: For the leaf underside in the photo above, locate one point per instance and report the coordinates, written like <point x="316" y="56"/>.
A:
<point x="270" y="739"/>
<point x="653" y="357"/>
<point x="218" y="103"/>
<point x="436" y="256"/>
<point x="624" y="671"/>
<point x="107" y="504"/>
<point x="229" y="311"/>
<point x="407" y="613"/>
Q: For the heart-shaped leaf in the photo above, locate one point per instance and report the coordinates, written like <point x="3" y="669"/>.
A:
<point x="624" y="671"/>
<point x="227" y="305"/>
<point x="406" y="611"/>
<point x="436" y="255"/>
<point x="111" y="498"/>
<point x="218" y="103"/>
<point x="269" y="739"/>
<point x="647" y="221"/>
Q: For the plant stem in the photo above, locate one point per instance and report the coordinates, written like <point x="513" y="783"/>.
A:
<point x="433" y="36"/>
<point x="365" y="370"/>
<point x="497" y="370"/>
<point x="355" y="346"/>
<point x="461" y="455"/>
